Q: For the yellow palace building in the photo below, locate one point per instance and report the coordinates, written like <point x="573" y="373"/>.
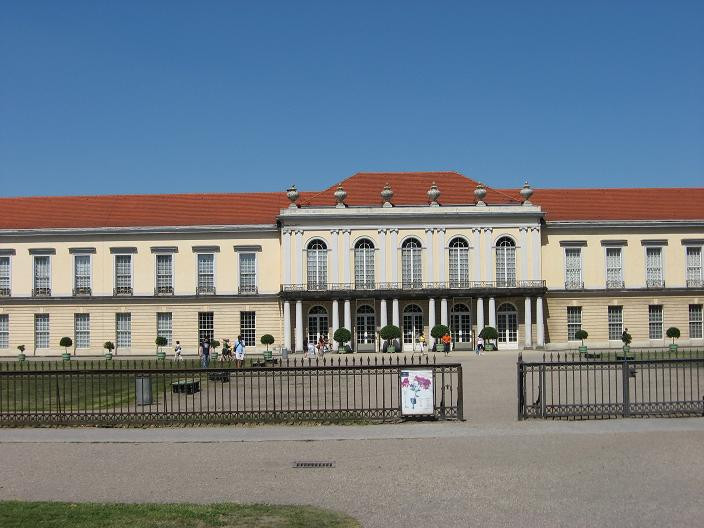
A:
<point x="409" y="249"/>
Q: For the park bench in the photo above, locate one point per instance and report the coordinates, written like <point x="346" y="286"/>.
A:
<point x="185" y="386"/>
<point x="219" y="375"/>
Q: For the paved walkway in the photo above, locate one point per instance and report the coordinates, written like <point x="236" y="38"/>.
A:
<point x="487" y="471"/>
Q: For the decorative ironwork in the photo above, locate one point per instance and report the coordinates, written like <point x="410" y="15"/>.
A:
<point x="249" y="289"/>
<point x="205" y="290"/>
<point x="415" y="285"/>
<point x="82" y="291"/>
<point x="695" y="283"/>
<point x="41" y="292"/>
<point x="122" y="290"/>
<point x="655" y="283"/>
<point x="164" y="290"/>
<point x="574" y="285"/>
<point x="614" y="284"/>
<point x="5" y="292"/>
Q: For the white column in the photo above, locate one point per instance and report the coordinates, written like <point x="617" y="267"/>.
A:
<point x="488" y="256"/>
<point x="443" y="311"/>
<point x="346" y="257"/>
<point x="299" y="258"/>
<point x="442" y="253"/>
<point x="524" y="275"/>
<point x="480" y="315"/>
<point x="477" y="254"/>
<point x="528" y="324"/>
<point x="383" y="314"/>
<point x="286" y="259"/>
<point x="537" y="271"/>
<point x="287" y="325"/>
<point x="394" y="255"/>
<point x="348" y="315"/>
<point x="299" y="326"/>
<point x="381" y="264"/>
<point x="431" y="320"/>
<point x="540" y="331"/>
<point x="429" y="251"/>
<point x="335" y="321"/>
<point x="334" y="256"/>
<point x="394" y="313"/>
<point x="492" y="312"/>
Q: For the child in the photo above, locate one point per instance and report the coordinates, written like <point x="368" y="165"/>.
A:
<point x="177" y="352"/>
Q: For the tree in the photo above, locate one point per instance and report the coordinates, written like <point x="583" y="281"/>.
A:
<point x="66" y="342"/>
<point x="20" y="348"/>
<point x="109" y="346"/>
<point x="489" y="332"/>
<point x="267" y="339"/>
<point x="674" y="333"/>
<point x="160" y="341"/>
<point x="214" y="343"/>
<point x="342" y="336"/>
<point x="626" y="338"/>
<point x="582" y="335"/>
<point x="439" y="330"/>
<point x="389" y="333"/>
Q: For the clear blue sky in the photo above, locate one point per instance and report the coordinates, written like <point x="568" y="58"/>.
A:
<point x="143" y="97"/>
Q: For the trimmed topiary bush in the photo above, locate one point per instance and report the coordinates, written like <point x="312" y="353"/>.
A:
<point x="342" y="336"/>
<point x="267" y="339"/>
<point x="488" y="333"/>
<point x="66" y="342"/>
<point x="388" y="334"/>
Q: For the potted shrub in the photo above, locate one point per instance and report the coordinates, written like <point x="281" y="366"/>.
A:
<point x="109" y="346"/>
<point x="673" y="333"/>
<point x="267" y="339"/>
<point x="582" y="335"/>
<point x="626" y="338"/>
<point x="66" y="342"/>
<point x="342" y="336"/>
<point x="438" y="331"/>
<point x="21" y="356"/>
<point x="160" y="341"/>
<point x="488" y="333"/>
<point x="214" y="344"/>
<point x="389" y="333"/>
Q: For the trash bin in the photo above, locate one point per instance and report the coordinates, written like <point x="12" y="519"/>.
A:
<point x="284" y="353"/>
<point x="143" y="390"/>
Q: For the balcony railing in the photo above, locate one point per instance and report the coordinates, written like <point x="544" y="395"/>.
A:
<point x="574" y="285"/>
<point x="695" y="283"/>
<point x="655" y="283"/>
<point x="164" y="290"/>
<point x="5" y="292"/>
<point x="41" y="292"/>
<point x="122" y="290"/>
<point x="82" y="291"/>
<point x="413" y="285"/>
<point x="614" y="284"/>
<point x="205" y="290"/>
<point x="249" y="289"/>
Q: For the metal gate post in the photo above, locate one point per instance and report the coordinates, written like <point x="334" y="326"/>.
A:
<point x="460" y="395"/>
<point x="541" y="391"/>
<point x="520" y="379"/>
<point x="626" y="391"/>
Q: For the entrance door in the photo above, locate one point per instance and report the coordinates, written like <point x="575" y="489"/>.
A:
<point x="317" y="323"/>
<point x="412" y="327"/>
<point x="366" y="329"/>
<point x="507" y="322"/>
<point x="461" y="326"/>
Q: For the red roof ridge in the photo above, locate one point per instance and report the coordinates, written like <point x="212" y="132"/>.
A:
<point x="144" y="195"/>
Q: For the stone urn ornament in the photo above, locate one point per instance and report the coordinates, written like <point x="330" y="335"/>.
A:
<point x="480" y="194"/>
<point x="293" y="195"/>
<point x="386" y="195"/>
<point x="340" y="196"/>
<point x="433" y="195"/>
<point x="526" y="193"/>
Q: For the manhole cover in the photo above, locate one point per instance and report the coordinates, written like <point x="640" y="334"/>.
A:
<point x="314" y="464"/>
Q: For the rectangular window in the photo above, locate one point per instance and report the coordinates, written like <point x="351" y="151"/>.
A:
<point x="81" y="275"/>
<point x="81" y="328"/>
<point x="653" y="267"/>
<point x="123" y="274"/>
<point x="248" y="273"/>
<point x="164" y="326"/>
<point x="248" y="323"/>
<point x="614" y="268"/>
<point x="5" y="276"/>
<point x="206" y="273"/>
<point x="42" y="275"/>
<point x="4" y="331"/>
<point x="205" y="326"/>
<point x="574" y="321"/>
<point x="694" y="267"/>
<point x="164" y="275"/>
<point x="123" y="330"/>
<point x="41" y="331"/>
<point x="655" y="321"/>
<point x="573" y="269"/>
<point x="615" y="323"/>
<point x="695" y="321"/>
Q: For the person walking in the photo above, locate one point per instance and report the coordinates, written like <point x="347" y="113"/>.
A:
<point x="480" y="345"/>
<point x="239" y="352"/>
<point x="177" y="352"/>
<point x="204" y="353"/>
<point x="421" y="342"/>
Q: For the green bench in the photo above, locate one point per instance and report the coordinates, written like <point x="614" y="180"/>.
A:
<point x="185" y="386"/>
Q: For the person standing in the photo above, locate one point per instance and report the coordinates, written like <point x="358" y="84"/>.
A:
<point x="204" y="353"/>
<point x="239" y="352"/>
<point x="421" y="342"/>
<point x="177" y="352"/>
<point x="480" y="345"/>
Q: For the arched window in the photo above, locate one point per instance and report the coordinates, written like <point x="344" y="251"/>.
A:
<point x="411" y="267"/>
<point x="459" y="263"/>
<point x="317" y="265"/>
<point x="317" y="323"/>
<point x="461" y="323"/>
<point x="505" y="262"/>
<point x="364" y="264"/>
<point x="366" y="325"/>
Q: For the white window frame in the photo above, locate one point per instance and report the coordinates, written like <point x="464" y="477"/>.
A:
<point x="215" y="272"/>
<point x="695" y="282"/>
<point x="368" y="280"/>
<point x="651" y="323"/>
<point x="608" y="322"/>
<point x="34" y="271"/>
<point x="166" y="332"/>
<point x="454" y="262"/>
<point x="606" y="266"/>
<point x="662" y="264"/>
<point x="75" y="329"/>
<point x="114" y="268"/>
<point x="5" y="333"/>
<point x="90" y="269"/>
<point x="255" y="286"/>
<point x="699" y="321"/>
<point x="580" y="283"/>
<point x="579" y="311"/>
<point x="48" y="331"/>
<point x="245" y="330"/>
<point x="156" y="272"/>
<point x="9" y="273"/>
<point x="117" y="330"/>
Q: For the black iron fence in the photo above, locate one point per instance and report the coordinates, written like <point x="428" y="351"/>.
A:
<point x="645" y="383"/>
<point x="164" y="392"/>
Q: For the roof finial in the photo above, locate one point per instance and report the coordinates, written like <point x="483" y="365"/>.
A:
<point x="386" y="195"/>
<point x="480" y="194"/>
<point x="340" y="195"/>
<point x="292" y="194"/>
<point x="526" y="193"/>
<point x="433" y="195"/>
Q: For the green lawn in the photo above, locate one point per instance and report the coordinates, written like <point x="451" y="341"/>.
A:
<point x="70" y="515"/>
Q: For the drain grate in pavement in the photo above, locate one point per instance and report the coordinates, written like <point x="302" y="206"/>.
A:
<point x="314" y="464"/>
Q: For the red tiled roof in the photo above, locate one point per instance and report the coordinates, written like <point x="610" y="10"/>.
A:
<point x="410" y="188"/>
<point x="620" y="204"/>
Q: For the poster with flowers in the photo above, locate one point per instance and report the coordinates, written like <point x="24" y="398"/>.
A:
<point x="417" y="392"/>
